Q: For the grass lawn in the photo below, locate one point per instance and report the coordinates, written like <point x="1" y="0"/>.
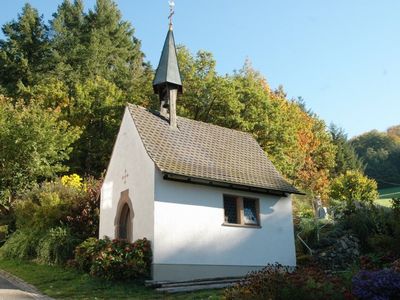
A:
<point x="385" y="195"/>
<point x="61" y="283"/>
<point x="389" y="193"/>
<point x="383" y="202"/>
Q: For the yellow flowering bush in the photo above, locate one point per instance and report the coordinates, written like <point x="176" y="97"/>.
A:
<point x="73" y="180"/>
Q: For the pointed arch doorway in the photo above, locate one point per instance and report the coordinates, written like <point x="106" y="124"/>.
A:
<point x="123" y="221"/>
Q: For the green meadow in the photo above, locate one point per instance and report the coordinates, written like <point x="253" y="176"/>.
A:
<point x="389" y="193"/>
<point x="385" y="196"/>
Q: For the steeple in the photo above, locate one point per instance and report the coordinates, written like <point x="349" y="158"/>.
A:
<point x="167" y="82"/>
<point x="168" y="69"/>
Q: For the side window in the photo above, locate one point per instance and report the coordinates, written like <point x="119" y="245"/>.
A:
<point x="250" y="211"/>
<point x="241" y="211"/>
<point x="231" y="210"/>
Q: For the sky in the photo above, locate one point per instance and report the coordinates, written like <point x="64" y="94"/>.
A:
<point x="342" y="57"/>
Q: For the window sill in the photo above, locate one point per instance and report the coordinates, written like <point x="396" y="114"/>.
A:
<point x="240" y="225"/>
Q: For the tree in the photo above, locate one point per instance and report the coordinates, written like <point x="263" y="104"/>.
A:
<point x="296" y="141"/>
<point x="99" y="43"/>
<point x="54" y="64"/>
<point x="97" y="107"/>
<point x="381" y="154"/>
<point x="394" y="132"/>
<point x="91" y="64"/>
<point x="207" y="96"/>
<point x="100" y="63"/>
<point x="346" y="158"/>
<point x="353" y="186"/>
<point x="25" y="52"/>
<point x="34" y="143"/>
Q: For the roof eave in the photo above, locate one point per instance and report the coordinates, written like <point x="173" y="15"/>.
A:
<point x="234" y="186"/>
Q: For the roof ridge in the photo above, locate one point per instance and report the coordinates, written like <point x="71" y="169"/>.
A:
<point x="157" y="113"/>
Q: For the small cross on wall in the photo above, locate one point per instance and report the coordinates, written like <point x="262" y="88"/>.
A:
<point x="125" y="176"/>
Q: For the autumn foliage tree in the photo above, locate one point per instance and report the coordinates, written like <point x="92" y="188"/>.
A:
<point x="394" y="132"/>
<point x="297" y="141"/>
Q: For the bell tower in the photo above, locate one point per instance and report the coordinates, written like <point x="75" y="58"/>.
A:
<point x="167" y="82"/>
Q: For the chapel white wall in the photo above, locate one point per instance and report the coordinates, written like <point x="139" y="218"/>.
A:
<point x="129" y="154"/>
<point x="188" y="228"/>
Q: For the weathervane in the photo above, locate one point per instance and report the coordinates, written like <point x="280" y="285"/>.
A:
<point x="171" y="12"/>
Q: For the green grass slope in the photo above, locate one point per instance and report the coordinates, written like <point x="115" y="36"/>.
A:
<point x="389" y="193"/>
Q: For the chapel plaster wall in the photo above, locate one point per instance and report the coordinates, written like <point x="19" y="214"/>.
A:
<point x="130" y="168"/>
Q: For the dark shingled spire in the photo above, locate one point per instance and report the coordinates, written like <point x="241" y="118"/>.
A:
<point x="167" y="73"/>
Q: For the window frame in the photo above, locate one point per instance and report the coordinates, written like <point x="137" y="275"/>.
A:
<point x="240" y="211"/>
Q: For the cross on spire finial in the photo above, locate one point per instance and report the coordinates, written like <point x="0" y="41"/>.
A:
<point x="171" y="12"/>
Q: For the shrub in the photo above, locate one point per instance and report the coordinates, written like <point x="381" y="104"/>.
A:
<point x="378" y="229"/>
<point x="302" y="207"/>
<point x="83" y="214"/>
<point x="362" y="224"/>
<point x="86" y="252"/>
<point x="116" y="259"/>
<point x="54" y="246"/>
<point x="57" y="246"/>
<point x="275" y="282"/>
<point x="54" y="204"/>
<point x="396" y="206"/>
<point x="3" y="234"/>
<point x="21" y="245"/>
<point x="42" y="208"/>
<point x="53" y="218"/>
<point x="396" y="265"/>
<point x="318" y="233"/>
<point x="264" y="284"/>
<point x="380" y="243"/>
<point x="382" y="284"/>
<point x="374" y="262"/>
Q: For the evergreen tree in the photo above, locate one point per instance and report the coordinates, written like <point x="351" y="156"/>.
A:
<point x="24" y="54"/>
<point x="99" y="44"/>
<point x="100" y="62"/>
<point x="80" y="56"/>
<point x="346" y="157"/>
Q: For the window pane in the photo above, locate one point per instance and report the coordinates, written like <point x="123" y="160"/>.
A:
<point x="230" y="208"/>
<point x="250" y="211"/>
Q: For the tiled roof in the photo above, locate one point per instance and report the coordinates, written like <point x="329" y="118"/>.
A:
<point x="203" y="151"/>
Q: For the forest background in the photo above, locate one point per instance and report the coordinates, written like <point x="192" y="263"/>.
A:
<point x="64" y="85"/>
